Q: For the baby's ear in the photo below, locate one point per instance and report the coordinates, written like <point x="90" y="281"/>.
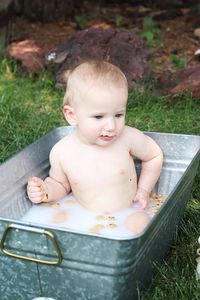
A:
<point x="69" y="115"/>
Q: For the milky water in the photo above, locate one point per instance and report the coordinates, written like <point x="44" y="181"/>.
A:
<point x="68" y="214"/>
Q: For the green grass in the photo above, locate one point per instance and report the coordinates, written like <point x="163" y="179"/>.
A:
<point x="151" y="113"/>
<point x="30" y="107"/>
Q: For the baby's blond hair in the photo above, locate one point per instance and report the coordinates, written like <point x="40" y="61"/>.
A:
<point x="90" y="73"/>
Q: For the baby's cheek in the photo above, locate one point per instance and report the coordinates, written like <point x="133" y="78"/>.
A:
<point x="92" y="131"/>
<point x="137" y="221"/>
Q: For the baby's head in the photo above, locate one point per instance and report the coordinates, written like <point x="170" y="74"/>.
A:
<point x="96" y="90"/>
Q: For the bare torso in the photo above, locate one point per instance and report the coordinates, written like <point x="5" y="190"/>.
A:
<point x="102" y="179"/>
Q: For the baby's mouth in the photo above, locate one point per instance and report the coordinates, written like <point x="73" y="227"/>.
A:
<point x="107" y="137"/>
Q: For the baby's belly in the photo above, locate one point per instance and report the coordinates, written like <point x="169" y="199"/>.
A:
<point x="106" y="186"/>
<point x="107" y="198"/>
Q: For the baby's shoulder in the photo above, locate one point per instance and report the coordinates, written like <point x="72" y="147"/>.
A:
<point x="131" y="132"/>
<point x="134" y="138"/>
<point x="62" y="146"/>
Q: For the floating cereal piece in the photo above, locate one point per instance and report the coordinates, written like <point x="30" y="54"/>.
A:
<point x="158" y="201"/>
<point x="111" y="226"/>
<point x="105" y="218"/>
<point x="55" y="205"/>
<point x="69" y="202"/>
<point x="158" y="197"/>
<point x="100" y="218"/>
<point x="137" y="221"/>
<point x="152" y="195"/>
<point x="59" y="217"/>
<point x="110" y="218"/>
<point x="96" y="228"/>
<point x="154" y="209"/>
<point x="50" y="204"/>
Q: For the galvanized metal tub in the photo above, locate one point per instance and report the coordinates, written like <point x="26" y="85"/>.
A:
<point x="62" y="264"/>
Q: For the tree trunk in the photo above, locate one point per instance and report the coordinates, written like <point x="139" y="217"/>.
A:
<point x="5" y="24"/>
<point x="43" y="10"/>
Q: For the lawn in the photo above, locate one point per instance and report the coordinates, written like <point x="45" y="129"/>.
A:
<point x="30" y="107"/>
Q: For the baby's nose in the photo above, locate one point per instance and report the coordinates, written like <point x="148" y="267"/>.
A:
<point x="110" y="124"/>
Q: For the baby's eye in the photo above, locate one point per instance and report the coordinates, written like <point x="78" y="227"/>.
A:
<point x="119" y="115"/>
<point x="98" y="117"/>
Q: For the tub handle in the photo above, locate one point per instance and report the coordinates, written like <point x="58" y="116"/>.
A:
<point x="47" y="233"/>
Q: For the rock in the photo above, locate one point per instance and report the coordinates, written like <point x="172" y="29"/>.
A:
<point x="187" y="80"/>
<point x="122" y="48"/>
<point x="29" y="53"/>
<point x="197" y="32"/>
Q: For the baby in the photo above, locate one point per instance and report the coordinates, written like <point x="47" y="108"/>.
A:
<point x="95" y="161"/>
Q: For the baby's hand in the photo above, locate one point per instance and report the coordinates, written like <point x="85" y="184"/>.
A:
<point x="141" y="196"/>
<point x="36" y="190"/>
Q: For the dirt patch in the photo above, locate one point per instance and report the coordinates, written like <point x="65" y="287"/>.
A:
<point x="176" y="35"/>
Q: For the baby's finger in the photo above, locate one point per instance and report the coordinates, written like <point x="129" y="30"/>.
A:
<point x="35" y="200"/>
<point x="135" y="200"/>
<point x="33" y="189"/>
<point x="35" y="197"/>
<point x="143" y="203"/>
<point x="34" y="181"/>
<point x="35" y="194"/>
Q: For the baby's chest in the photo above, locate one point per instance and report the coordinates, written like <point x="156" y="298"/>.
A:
<point x="100" y="168"/>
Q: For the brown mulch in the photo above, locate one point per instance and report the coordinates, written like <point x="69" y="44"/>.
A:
<point x="176" y="31"/>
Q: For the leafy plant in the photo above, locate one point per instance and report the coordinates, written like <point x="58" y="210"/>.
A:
<point x="81" y="21"/>
<point x="178" y="62"/>
<point x="150" y="32"/>
<point x="118" y="20"/>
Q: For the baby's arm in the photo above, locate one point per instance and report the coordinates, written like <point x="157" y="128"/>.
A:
<point x="151" y="156"/>
<point x="54" y="187"/>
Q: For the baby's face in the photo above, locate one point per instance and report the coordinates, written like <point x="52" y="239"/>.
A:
<point x="101" y="115"/>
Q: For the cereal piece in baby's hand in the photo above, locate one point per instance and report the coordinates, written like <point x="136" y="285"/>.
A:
<point x="45" y="197"/>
